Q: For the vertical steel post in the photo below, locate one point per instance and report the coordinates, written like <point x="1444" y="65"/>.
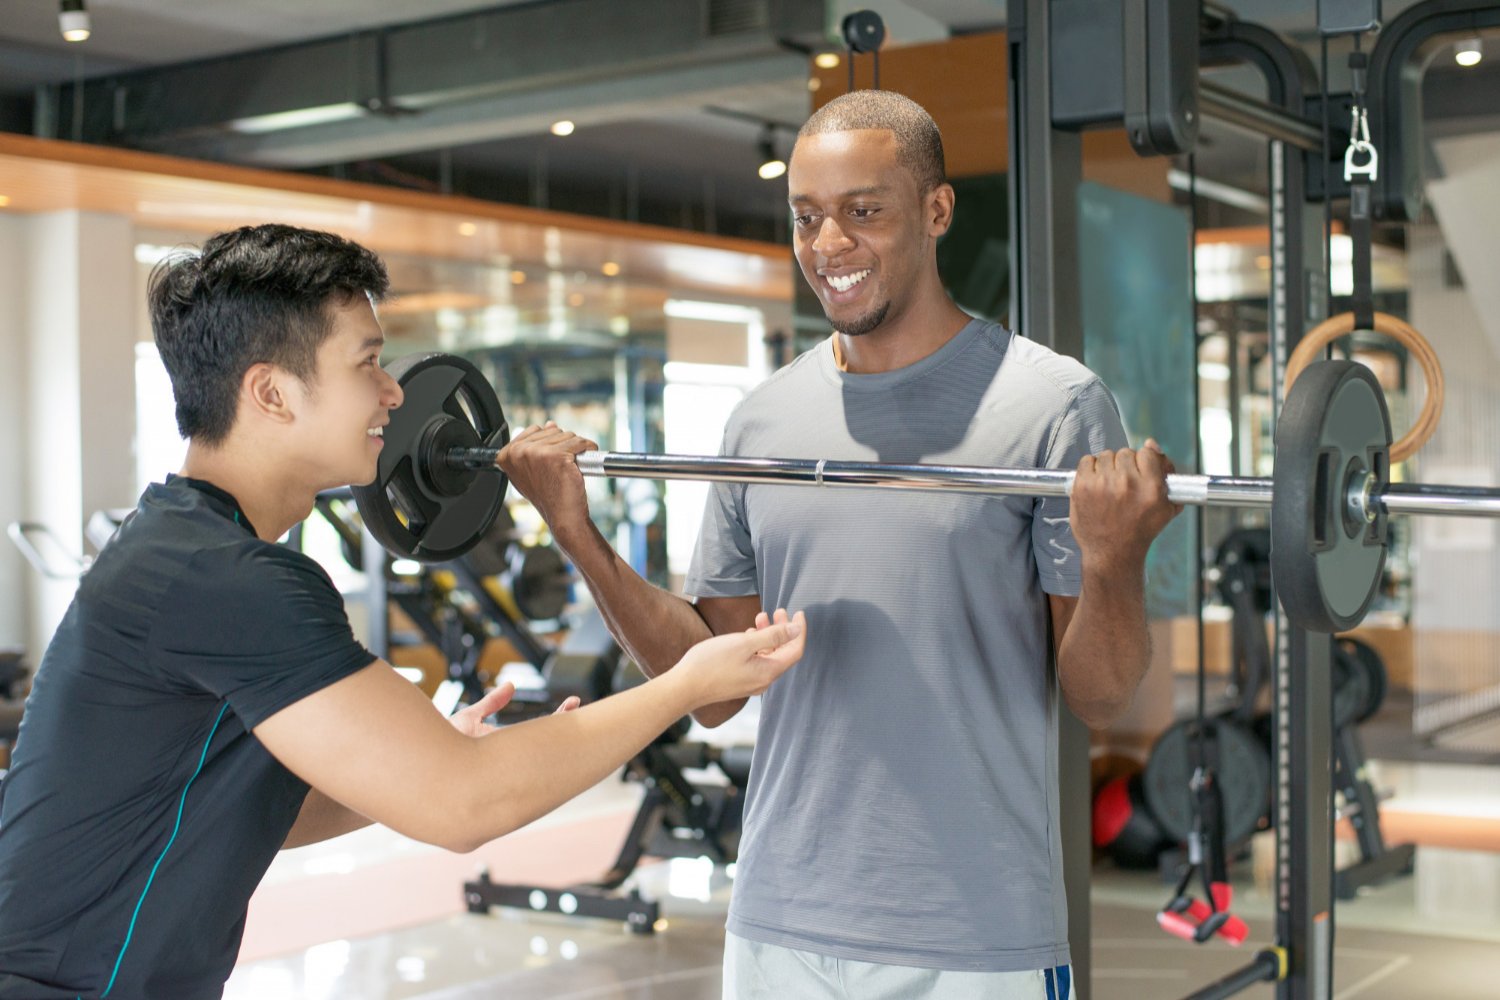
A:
<point x="1301" y="672"/>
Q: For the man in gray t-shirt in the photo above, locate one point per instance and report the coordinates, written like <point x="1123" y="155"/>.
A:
<point x="901" y="825"/>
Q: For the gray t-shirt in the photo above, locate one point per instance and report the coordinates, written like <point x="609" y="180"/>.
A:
<point x="903" y="801"/>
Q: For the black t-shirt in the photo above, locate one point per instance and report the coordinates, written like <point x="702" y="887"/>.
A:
<point x="140" y="813"/>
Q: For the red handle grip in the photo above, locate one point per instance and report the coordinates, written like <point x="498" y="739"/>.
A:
<point x="1176" y="923"/>
<point x="1186" y="921"/>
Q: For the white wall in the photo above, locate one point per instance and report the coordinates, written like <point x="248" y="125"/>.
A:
<point x="79" y="275"/>
<point x="1463" y="199"/>
<point x="1457" y="561"/>
<point x="13" y="569"/>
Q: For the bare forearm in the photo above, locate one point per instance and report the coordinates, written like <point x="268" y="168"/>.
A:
<point x="522" y="772"/>
<point x="320" y="819"/>
<point x="655" y="627"/>
<point x="1107" y="648"/>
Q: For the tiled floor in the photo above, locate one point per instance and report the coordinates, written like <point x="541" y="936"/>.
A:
<point x="373" y="916"/>
<point x="556" y="958"/>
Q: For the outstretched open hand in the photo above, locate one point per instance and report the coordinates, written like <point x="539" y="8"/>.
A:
<point x="469" y="720"/>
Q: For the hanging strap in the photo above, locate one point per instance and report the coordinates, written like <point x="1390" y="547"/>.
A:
<point x="1361" y="169"/>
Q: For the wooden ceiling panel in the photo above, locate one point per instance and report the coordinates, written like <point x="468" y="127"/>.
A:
<point x="166" y="193"/>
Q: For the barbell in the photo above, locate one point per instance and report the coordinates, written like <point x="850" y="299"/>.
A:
<point x="437" y="488"/>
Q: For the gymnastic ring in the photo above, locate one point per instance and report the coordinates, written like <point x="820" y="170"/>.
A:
<point x="1311" y="348"/>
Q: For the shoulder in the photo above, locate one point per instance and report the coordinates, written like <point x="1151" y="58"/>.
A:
<point x="251" y="565"/>
<point x="787" y="385"/>
<point x="248" y="595"/>
<point x="791" y="377"/>
<point x="1065" y="376"/>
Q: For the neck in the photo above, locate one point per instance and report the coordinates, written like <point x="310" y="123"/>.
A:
<point x="925" y="325"/>
<point x="272" y="502"/>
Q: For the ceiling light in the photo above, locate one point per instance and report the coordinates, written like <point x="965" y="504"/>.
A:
<point x="518" y="277"/>
<point x="73" y="19"/>
<point x="827" y="60"/>
<point x="1468" y="53"/>
<point x="467" y="229"/>
<point x="563" y="127"/>
<point x="575" y="300"/>
<point x="276" y="121"/>
<point x="4" y="200"/>
<point x="610" y="269"/>
<point x="772" y="166"/>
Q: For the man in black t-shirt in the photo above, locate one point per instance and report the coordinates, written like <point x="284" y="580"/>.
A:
<point x="204" y="703"/>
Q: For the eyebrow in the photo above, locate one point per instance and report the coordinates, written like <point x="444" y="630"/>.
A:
<point x="853" y="193"/>
<point x="369" y="343"/>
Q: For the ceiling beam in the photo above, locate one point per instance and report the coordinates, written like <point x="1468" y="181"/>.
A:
<point x="470" y="78"/>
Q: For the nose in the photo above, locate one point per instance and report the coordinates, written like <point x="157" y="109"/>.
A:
<point x="830" y="239"/>
<point x="391" y="393"/>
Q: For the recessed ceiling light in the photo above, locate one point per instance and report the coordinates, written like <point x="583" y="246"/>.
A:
<point x="827" y="60"/>
<point x="467" y="229"/>
<point x="518" y="277"/>
<point x="610" y="269"/>
<point x="4" y="200"/>
<point x="563" y="127"/>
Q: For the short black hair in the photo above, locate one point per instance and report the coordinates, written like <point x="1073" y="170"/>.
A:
<point x="919" y="144"/>
<point x="258" y="294"/>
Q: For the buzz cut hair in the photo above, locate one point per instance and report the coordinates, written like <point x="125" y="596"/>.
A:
<point x="919" y="144"/>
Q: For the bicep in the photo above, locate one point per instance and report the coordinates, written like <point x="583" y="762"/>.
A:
<point x="1062" y="609"/>
<point x="372" y="742"/>
<point x="729" y="614"/>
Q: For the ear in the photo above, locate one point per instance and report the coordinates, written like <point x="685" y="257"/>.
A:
<point x="939" y="207"/>
<point x="265" y="389"/>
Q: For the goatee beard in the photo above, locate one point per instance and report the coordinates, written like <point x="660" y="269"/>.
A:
<point x="861" y="325"/>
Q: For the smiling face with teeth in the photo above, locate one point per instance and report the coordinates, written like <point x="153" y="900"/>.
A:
<point x="865" y="234"/>
<point x="342" y="410"/>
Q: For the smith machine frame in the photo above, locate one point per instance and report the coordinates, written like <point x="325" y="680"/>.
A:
<point x="1160" y="105"/>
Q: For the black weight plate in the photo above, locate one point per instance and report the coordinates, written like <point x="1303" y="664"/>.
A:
<point x="1325" y="568"/>
<point x="1262" y="726"/>
<point x="540" y="581"/>
<point x="1375" y="681"/>
<point x="1123" y="825"/>
<point x="491" y="555"/>
<point x="1244" y="774"/>
<point x="1244" y="557"/>
<point x="1351" y="688"/>
<point x="416" y="507"/>
<point x="582" y="675"/>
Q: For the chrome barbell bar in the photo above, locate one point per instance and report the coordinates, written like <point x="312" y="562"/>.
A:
<point x="1194" y="490"/>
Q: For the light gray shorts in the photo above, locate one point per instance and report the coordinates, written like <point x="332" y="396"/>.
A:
<point x="755" y="971"/>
